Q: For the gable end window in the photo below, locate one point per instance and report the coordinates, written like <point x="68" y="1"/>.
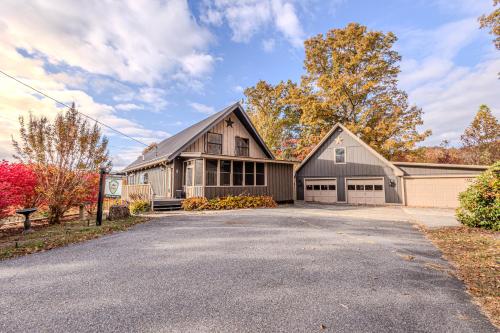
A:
<point x="242" y="146"/>
<point x="214" y="143"/>
<point x="340" y="155"/>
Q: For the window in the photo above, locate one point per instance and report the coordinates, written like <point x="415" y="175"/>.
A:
<point x="214" y="143"/>
<point x="351" y="187"/>
<point x="324" y="187"/>
<point x="360" y="187"/>
<point x="316" y="187"/>
<point x="189" y="176"/>
<point x="237" y="173"/>
<point x="309" y="187"/>
<point x="368" y="187"/>
<point x="260" y="175"/>
<point x="145" y="178"/>
<point x="225" y="173"/>
<point x="242" y="145"/>
<point x="331" y="187"/>
<point x="211" y="170"/>
<point x="339" y="155"/>
<point x="379" y="188"/>
<point x="249" y="173"/>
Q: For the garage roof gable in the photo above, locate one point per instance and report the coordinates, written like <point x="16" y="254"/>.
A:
<point x="397" y="171"/>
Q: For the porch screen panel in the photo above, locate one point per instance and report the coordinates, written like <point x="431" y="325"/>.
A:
<point x="225" y="173"/>
<point x="237" y="173"/>
<point x="211" y="169"/>
<point x="249" y="173"/>
<point x="260" y="175"/>
<point x="198" y="172"/>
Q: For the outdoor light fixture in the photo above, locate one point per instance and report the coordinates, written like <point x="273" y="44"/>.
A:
<point x="392" y="183"/>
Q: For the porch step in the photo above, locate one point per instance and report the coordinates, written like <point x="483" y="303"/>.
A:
<point x="166" y="204"/>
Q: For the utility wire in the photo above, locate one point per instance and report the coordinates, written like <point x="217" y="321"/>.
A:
<point x="69" y="107"/>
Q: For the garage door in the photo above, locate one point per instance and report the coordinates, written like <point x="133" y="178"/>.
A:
<point x="320" y="190"/>
<point x="365" y="191"/>
<point x="435" y="191"/>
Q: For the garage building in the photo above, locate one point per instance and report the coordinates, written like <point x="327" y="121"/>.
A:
<point x="344" y="169"/>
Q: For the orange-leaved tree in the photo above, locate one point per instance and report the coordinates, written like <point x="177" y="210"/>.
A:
<point x="62" y="153"/>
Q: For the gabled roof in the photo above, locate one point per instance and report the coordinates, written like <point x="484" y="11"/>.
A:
<point x="397" y="171"/>
<point x="171" y="147"/>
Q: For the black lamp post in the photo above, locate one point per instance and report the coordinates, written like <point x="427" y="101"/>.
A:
<point x="27" y="223"/>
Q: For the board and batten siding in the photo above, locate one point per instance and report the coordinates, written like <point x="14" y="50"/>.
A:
<point x="279" y="185"/>
<point x="228" y="139"/>
<point x="360" y="162"/>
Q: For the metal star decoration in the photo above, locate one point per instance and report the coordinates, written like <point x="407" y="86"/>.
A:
<point x="229" y="122"/>
<point x="338" y="140"/>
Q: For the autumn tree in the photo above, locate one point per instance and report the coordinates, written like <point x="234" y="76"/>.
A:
<point x="482" y="138"/>
<point x="62" y="153"/>
<point x="492" y="21"/>
<point x="273" y="116"/>
<point x="351" y="77"/>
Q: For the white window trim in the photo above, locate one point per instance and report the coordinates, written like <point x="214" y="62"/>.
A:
<point x="335" y="155"/>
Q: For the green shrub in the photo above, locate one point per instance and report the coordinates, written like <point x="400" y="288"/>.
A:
<point x="139" y="206"/>
<point x="480" y="203"/>
<point x="229" y="202"/>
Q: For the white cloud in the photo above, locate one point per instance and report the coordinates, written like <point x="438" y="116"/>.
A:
<point x="238" y="89"/>
<point x="134" y="41"/>
<point x="202" y="108"/>
<point x="287" y="22"/>
<point x="17" y="100"/>
<point x="448" y="92"/>
<point x="248" y="17"/>
<point x="268" y="44"/>
<point x="198" y="64"/>
<point x="128" y="107"/>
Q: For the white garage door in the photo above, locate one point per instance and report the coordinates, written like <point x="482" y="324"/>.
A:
<point x="320" y="190"/>
<point x="366" y="191"/>
<point x="435" y="191"/>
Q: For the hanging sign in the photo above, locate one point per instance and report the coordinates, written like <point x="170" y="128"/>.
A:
<point x="113" y="186"/>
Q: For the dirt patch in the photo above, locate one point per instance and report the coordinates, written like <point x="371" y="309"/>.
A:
<point x="476" y="255"/>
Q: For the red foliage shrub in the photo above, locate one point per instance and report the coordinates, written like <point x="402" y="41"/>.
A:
<point x="18" y="187"/>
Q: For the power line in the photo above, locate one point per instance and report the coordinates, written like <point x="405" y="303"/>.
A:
<point x="69" y="107"/>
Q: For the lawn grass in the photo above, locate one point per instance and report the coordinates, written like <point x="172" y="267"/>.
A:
<point x="476" y="255"/>
<point x="46" y="237"/>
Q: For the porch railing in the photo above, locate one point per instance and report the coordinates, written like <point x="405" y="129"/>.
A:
<point x="139" y="191"/>
<point x="194" y="191"/>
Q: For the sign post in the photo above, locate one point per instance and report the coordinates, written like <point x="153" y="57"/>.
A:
<point x="100" y="197"/>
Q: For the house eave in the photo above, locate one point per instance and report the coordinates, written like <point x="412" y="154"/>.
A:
<point x="146" y="165"/>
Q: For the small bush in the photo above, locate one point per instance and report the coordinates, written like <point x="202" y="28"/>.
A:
<point x="139" y="206"/>
<point x="194" y="203"/>
<point x="229" y="202"/>
<point x="480" y="203"/>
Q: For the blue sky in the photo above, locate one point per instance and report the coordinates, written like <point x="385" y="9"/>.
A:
<point x="152" y="68"/>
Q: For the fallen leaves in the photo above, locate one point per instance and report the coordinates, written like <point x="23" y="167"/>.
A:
<point x="475" y="254"/>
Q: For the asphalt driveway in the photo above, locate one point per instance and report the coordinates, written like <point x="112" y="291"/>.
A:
<point x="276" y="270"/>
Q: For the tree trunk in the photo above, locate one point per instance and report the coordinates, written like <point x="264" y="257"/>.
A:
<point x="55" y="214"/>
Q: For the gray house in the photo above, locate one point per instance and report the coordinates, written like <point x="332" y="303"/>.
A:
<point x="344" y="169"/>
<point x="218" y="156"/>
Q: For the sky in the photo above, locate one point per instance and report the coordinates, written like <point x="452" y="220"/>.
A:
<point x="152" y="68"/>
